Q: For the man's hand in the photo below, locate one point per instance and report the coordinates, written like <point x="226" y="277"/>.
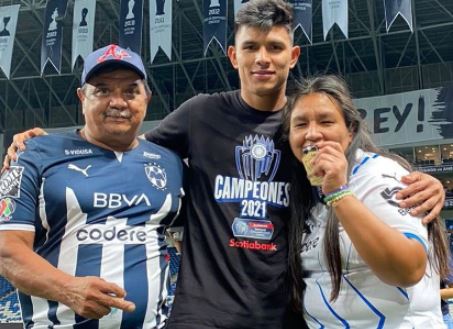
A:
<point x="18" y="144"/>
<point x="424" y="193"/>
<point x="93" y="297"/>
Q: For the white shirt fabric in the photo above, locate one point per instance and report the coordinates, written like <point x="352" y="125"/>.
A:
<point x="365" y="301"/>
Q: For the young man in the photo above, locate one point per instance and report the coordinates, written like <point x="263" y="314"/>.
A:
<point x="83" y="214"/>
<point x="234" y="262"/>
<point x="234" y="259"/>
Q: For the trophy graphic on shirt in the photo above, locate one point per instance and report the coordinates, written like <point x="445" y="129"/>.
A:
<point x="130" y="13"/>
<point x="257" y="158"/>
<point x="160" y="4"/>
<point x="5" y="32"/>
<point x="214" y="3"/>
<point x="53" y="23"/>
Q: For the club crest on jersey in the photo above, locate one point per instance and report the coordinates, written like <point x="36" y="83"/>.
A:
<point x="257" y="158"/>
<point x="10" y="182"/>
<point x="156" y="175"/>
<point x="7" y="208"/>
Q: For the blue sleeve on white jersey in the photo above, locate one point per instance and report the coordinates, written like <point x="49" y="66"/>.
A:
<point x="20" y="188"/>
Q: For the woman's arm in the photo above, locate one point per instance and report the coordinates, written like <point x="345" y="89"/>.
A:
<point x="393" y="257"/>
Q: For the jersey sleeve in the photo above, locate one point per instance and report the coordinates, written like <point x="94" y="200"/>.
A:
<point x="19" y="192"/>
<point x="173" y="130"/>
<point x="376" y="186"/>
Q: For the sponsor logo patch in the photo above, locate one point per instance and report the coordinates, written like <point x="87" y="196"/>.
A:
<point x="252" y="228"/>
<point x="7" y="208"/>
<point x="254" y="245"/>
<point x="10" y="182"/>
<point x="78" y="151"/>
<point x="151" y="156"/>
<point x="156" y="175"/>
<point x="389" y="195"/>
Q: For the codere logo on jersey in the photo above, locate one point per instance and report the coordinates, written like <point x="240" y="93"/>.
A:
<point x="114" y="231"/>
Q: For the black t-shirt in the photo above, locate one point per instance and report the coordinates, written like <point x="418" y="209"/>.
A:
<point x="233" y="271"/>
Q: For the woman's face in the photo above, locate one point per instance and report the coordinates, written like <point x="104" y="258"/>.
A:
<point x="317" y="117"/>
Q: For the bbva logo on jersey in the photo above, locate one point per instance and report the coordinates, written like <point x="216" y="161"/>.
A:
<point x="156" y="175"/>
<point x="116" y="200"/>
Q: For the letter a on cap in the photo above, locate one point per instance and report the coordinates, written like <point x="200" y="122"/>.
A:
<point x="113" y="52"/>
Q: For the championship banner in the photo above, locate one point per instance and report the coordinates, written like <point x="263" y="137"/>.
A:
<point x="335" y="11"/>
<point x="82" y="29"/>
<point x="52" y="40"/>
<point x="303" y="17"/>
<point x="415" y="116"/>
<point x="214" y="23"/>
<point x="8" y="17"/>
<point x="393" y="8"/>
<point x="238" y="4"/>
<point x="131" y="23"/>
<point x="160" y="26"/>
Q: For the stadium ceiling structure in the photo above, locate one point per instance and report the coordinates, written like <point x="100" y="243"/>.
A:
<point x="373" y="61"/>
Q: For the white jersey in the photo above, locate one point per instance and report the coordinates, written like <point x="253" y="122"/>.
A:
<point x="365" y="301"/>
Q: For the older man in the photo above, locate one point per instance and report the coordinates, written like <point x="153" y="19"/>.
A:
<point x="83" y="213"/>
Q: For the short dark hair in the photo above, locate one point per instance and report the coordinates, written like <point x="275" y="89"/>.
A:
<point x="265" y="14"/>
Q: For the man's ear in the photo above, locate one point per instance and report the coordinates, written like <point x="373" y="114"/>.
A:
<point x="148" y="97"/>
<point x="81" y="96"/>
<point x="295" y="53"/>
<point x="232" y="56"/>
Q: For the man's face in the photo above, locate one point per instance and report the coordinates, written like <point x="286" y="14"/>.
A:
<point x="263" y="60"/>
<point x="114" y="105"/>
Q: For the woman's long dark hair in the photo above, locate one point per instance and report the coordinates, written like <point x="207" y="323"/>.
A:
<point x="302" y="200"/>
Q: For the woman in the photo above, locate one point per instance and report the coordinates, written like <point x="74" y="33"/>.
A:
<point x="367" y="262"/>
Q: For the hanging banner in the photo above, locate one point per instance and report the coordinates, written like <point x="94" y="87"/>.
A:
<point x="303" y="17"/>
<point x="238" y="4"/>
<point x="8" y="17"/>
<point x="214" y="23"/>
<point x="82" y="29"/>
<point x="414" y="116"/>
<point x="335" y="11"/>
<point x="52" y="40"/>
<point x="131" y="23"/>
<point x="393" y="8"/>
<point x="160" y="26"/>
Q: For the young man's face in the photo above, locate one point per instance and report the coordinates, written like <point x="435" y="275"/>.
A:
<point x="263" y="60"/>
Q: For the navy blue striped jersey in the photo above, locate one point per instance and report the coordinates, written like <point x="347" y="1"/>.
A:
<point x="96" y="213"/>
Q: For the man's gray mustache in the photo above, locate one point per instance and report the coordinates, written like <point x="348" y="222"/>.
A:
<point x="112" y="112"/>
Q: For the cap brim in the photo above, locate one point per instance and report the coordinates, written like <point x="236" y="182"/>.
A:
<point x="109" y="64"/>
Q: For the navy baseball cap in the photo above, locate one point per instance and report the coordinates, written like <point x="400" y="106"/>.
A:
<point x="112" y="55"/>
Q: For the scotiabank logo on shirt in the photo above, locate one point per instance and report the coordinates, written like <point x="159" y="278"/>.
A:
<point x="257" y="162"/>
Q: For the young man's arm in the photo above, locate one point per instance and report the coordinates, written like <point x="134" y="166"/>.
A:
<point x="18" y="144"/>
<point x="424" y="194"/>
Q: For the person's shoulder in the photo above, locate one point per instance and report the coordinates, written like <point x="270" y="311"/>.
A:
<point x="202" y="100"/>
<point x="154" y="151"/>
<point x="53" y="137"/>
<point x="56" y="145"/>
<point x="371" y="164"/>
